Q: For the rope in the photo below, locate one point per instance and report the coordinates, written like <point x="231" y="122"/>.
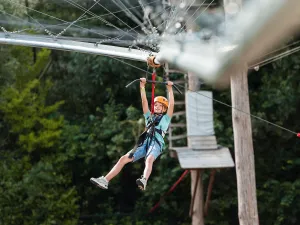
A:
<point x="210" y="186"/>
<point x="194" y="193"/>
<point x="256" y="117"/>
<point x="153" y="92"/>
<point x="276" y="57"/>
<point x="75" y="21"/>
<point x="170" y="190"/>
<point x="53" y="17"/>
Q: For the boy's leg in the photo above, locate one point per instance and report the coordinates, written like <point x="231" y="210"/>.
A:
<point x="153" y="152"/>
<point x="102" y="182"/>
<point x="118" y="167"/>
<point x="148" y="166"/>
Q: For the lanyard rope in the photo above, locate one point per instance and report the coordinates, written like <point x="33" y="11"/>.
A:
<point x="153" y="91"/>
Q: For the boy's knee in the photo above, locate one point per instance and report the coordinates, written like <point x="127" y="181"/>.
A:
<point x="125" y="159"/>
<point x="150" y="159"/>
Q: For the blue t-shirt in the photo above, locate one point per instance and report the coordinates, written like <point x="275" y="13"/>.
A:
<point x="163" y="125"/>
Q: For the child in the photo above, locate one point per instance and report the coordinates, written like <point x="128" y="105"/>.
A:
<point x="153" y="144"/>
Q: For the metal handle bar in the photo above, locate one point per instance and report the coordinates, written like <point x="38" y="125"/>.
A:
<point x="154" y="82"/>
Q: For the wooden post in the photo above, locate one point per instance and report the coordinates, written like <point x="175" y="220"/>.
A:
<point x="243" y="144"/>
<point x="244" y="154"/>
<point x="197" y="207"/>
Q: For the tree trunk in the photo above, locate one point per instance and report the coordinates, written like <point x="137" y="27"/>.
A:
<point x="197" y="207"/>
<point x="197" y="211"/>
<point x="244" y="154"/>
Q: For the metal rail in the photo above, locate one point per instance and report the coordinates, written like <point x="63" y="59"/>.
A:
<point x="76" y="46"/>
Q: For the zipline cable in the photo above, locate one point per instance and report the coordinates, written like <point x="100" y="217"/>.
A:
<point x="256" y="117"/>
<point x="230" y="106"/>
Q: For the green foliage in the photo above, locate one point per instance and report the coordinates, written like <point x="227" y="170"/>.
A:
<point x="35" y="193"/>
<point x="47" y="159"/>
<point x="26" y="114"/>
<point x="8" y="66"/>
<point x="284" y="195"/>
<point x="20" y="65"/>
<point x="35" y="187"/>
<point x="86" y="81"/>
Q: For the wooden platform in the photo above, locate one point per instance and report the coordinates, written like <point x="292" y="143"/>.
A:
<point x="201" y="159"/>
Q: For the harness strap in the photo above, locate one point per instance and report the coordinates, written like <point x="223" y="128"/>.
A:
<point x="161" y="132"/>
<point x="153" y="91"/>
<point x="149" y="132"/>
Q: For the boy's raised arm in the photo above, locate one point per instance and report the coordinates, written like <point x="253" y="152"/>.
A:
<point x="171" y="99"/>
<point x="143" y="95"/>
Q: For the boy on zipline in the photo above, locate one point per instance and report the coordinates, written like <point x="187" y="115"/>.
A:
<point x="152" y="145"/>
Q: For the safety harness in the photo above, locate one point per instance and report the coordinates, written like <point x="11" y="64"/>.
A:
<point x="149" y="134"/>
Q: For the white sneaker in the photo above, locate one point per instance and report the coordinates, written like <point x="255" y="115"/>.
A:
<point x="142" y="183"/>
<point x="100" y="182"/>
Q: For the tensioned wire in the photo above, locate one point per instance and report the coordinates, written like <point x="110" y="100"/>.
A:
<point x="67" y="22"/>
<point x="118" y="37"/>
<point x="146" y="15"/>
<point x="17" y="31"/>
<point x="278" y="49"/>
<point x="93" y="14"/>
<point x="15" y="3"/>
<point x="117" y="17"/>
<point x="230" y="106"/>
<point x="223" y="103"/>
<point x="181" y="30"/>
<point x="171" y="23"/>
<point x="174" y="14"/>
<point x="105" y="21"/>
<point x="220" y="102"/>
<point x="135" y="11"/>
<point x="264" y="62"/>
<point x="82" y="15"/>
<point x="47" y="26"/>
<point x="134" y="7"/>
<point x="81" y="19"/>
<point x="276" y="57"/>
<point x="129" y="13"/>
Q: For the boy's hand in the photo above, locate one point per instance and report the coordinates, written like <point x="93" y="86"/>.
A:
<point x="169" y="83"/>
<point x="143" y="82"/>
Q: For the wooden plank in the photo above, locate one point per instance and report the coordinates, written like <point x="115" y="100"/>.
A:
<point x="203" y="138"/>
<point x="179" y="81"/>
<point x="199" y="113"/>
<point x="176" y="71"/>
<point x="201" y="159"/>
<point x="177" y="137"/>
<point x="202" y="142"/>
<point x="179" y="102"/>
<point x="180" y="113"/>
<point x="177" y="125"/>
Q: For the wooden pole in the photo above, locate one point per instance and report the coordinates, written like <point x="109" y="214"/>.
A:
<point x="243" y="144"/>
<point x="197" y="208"/>
<point x="197" y="200"/>
<point x="209" y="191"/>
<point x="244" y="154"/>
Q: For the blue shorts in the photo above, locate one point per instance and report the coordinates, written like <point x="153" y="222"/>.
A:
<point x="154" y="149"/>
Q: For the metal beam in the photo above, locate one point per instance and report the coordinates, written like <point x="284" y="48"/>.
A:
<point x="76" y="46"/>
<point x="87" y="31"/>
<point x="259" y="28"/>
<point x="123" y="43"/>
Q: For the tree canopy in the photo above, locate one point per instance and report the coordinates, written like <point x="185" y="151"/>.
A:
<point x="66" y="117"/>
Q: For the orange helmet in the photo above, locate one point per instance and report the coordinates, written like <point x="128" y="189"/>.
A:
<point x="162" y="100"/>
